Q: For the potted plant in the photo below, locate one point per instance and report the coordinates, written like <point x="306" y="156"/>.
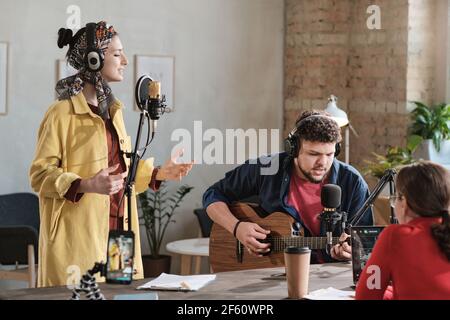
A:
<point x="156" y="210"/>
<point x="432" y="126"/>
<point x="394" y="158"/>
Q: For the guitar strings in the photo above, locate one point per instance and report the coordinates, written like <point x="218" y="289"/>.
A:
<point x="280" y="243"/>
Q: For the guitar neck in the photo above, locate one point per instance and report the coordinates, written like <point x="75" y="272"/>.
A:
<point x="278" y="244"/>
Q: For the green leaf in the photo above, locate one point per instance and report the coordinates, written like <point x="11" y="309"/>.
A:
<point x="419" y="105"/>
<point x="413" y="142"/>
<point x="421" y="119"/>
<point x="437" y="138"/>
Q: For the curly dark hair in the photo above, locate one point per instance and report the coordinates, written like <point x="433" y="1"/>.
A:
<point x="317" y="126"/>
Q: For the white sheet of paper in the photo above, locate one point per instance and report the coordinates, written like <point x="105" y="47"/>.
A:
<point x="331" y="294"/>
<point x="175" y="282"/>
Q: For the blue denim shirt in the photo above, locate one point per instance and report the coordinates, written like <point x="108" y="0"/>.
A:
<point x="272" y="190"/>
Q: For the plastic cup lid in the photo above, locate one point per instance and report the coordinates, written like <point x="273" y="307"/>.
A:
<point x="297" y="250"/>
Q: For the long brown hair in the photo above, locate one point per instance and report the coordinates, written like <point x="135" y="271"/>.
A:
<point x="426" y="188"/>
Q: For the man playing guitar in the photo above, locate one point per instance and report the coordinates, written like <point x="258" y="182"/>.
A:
<point x="308" y="163"/>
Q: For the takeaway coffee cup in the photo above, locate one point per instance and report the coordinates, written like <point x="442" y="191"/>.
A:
<point x="297" y="262"/>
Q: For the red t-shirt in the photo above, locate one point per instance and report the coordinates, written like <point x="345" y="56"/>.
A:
<point x="304" y="197"/>
<point x="408" y="256"/>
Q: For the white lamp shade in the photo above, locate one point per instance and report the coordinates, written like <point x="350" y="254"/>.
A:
<point x="339" y="115"/>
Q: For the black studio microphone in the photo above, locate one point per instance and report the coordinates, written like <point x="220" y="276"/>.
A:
<point x="330" y="197"/>
<point x="148" y="98"/>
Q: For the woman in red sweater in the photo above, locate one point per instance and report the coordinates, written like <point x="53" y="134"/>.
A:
<point x="413" y="256"/>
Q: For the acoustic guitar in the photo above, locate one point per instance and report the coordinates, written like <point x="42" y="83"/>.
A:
<point x="226" y="253"/>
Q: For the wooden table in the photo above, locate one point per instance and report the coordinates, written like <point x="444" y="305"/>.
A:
<point x="188" y="248"/>
<point x="257" y="284"/>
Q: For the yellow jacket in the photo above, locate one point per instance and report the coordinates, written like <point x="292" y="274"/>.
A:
<point x="71" y="145"/>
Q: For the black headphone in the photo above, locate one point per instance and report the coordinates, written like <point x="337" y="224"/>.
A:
<point x="292" y="143"/>
<point x="93" y="57"/>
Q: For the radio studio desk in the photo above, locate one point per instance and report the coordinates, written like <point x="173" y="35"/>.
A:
<point x="257" y="284"/>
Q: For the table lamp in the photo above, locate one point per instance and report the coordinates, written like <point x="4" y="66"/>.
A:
<point x="340" y="116"/>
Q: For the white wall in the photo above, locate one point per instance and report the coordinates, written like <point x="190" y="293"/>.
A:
<point x="229" y="74"/>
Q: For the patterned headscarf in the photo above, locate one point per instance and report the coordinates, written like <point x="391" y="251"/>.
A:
<point x="73" y="85"/>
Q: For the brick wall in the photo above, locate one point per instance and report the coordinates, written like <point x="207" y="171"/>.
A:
<point x="377" y="76"/>
<point x="421" y="51"/>
<point x="316" y="55"/>
<point x="330" y="50"/>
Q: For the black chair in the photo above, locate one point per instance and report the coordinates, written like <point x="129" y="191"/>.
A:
<point x="204" y="221"/>
<point x="19" y="235"/>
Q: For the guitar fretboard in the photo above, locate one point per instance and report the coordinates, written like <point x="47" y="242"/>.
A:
<point x="278" y="244"/>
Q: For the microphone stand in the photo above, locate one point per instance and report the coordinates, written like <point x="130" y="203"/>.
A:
<point x="134" y="161"/>
<point x="152" y="109"/>
<point x="331" y="217"/>
<point x="388" y="177"/>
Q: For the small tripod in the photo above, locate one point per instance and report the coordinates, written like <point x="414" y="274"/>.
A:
<point x="88" y="285"/>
